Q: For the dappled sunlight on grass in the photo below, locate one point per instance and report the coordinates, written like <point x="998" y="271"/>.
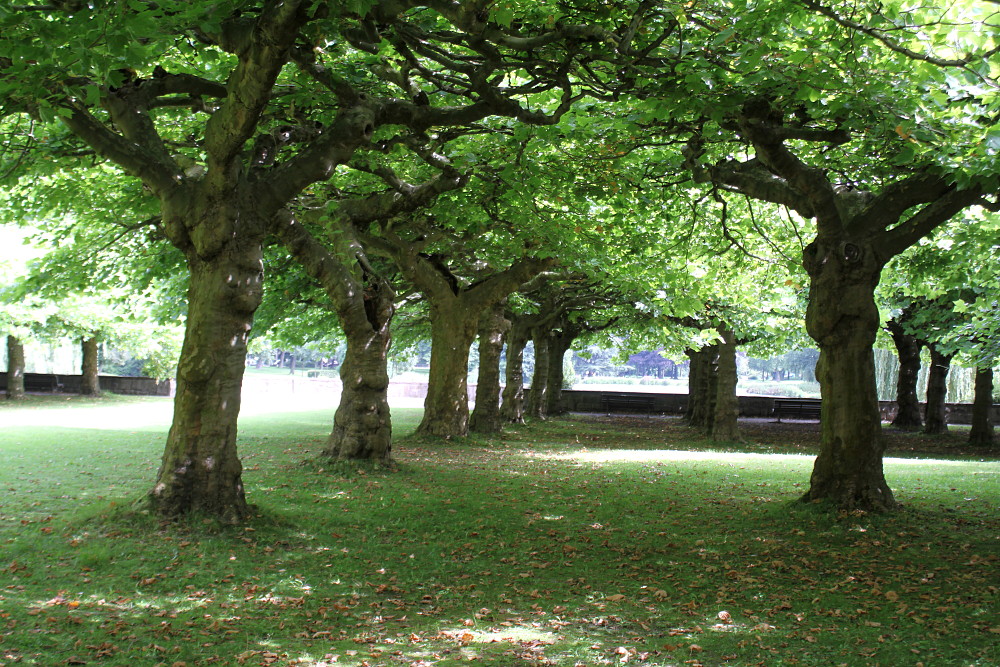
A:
<point x="631" y="546"/>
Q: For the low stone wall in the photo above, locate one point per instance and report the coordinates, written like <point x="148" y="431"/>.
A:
<point x="588" y="400"/>
<point x="71" y="384"/>
<point x="575" y="400"/>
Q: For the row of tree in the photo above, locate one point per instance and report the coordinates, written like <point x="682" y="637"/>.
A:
<point x="525" y="171"/>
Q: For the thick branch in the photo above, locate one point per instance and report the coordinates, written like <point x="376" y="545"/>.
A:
<point x="306" y="60"/>
<point x="250" y="85"/>
<point x="895" y="199"/>
<point x="405" y="198"/>
<point x="159" y="175"/>
<point x="499" y="285"/>
<point x="331" y="272"/>
<point x="902" y="236"/>
<point x="809" y="182"/>
<point x="752" y="179"/>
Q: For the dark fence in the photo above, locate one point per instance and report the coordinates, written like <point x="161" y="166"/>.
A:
<point x="71" y="384"/>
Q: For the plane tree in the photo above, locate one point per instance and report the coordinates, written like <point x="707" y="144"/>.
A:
<point x="227" y="112"/>
<point x="460" y="283"/>
<point x="938" y="289"/>
<point x="876" y="170"/>
<point x="908" y="348"/>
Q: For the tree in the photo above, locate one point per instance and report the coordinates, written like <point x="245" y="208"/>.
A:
<point x="199" y="117"/>
<point x="493" y="328"/>
<point x="908" y="347"/>
<point x="19" y="315"/>
<point x="91" y="382"/>
<point x="939" y="287"/>
<point x="455" y="310"/>
<point x="981" y="433"/>
<point x="15" y="368"/>
<point x="863" y="218"/>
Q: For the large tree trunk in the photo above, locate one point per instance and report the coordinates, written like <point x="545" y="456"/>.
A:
<point x="724" y="426"/>
<point x="512" y="409"/>
<point x="843" y="320"/>
<point x="15" y="368"/>
<point x="559" y="344"/>
<point x="493" y="328"/>
<point x="935" y="411"/>
<point x="701" y="402"/>
<point x="362" y="426"/>
<point x="908" y="407"/>
<point x="90" y="383"/>
<point x="537" y="403"/>
<point x="446" y="408"/>
<point x="201" y="471"/>
<point x="982" y="406"/>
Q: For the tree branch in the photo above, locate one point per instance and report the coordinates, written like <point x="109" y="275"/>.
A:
<point x="892" y="44"/>
<point x="161" y="176"/>
<point x="936" y="213"/>
<point x="250" y="85"/>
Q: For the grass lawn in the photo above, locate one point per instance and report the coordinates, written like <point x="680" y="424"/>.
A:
<point x="580" y="541"/>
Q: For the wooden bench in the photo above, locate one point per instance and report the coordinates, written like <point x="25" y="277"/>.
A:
<point x="796" y="408"/>
<point x="611" y="402"/>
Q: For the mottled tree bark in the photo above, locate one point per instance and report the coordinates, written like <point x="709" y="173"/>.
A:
<point x="15" y="368"/>
<point x="512" y="409"/>
<point x="446" y="408"/>
<point x="493" y="328"/>
<point x="201" y="471"/>
<point x="701" y="401"/>
<point x="843" y="319"/>
<point x="365" y="305"/>
<point x="90" y="383"/>
<point x="362" y="426"/>
<point x="981" y="433"/>
<point x="935" y="410"/>
<point x="724" y="426"/>
<point x="908" y="407"/>
<point x="559" y="344"/>
<point x="537" y="402"/>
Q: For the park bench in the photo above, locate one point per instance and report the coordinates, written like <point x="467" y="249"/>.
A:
<point x="796" y="408"/>
<point x="39" y="383"/>
<point x="611" y="402"/>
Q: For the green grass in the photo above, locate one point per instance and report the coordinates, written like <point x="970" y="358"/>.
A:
<point x="585" y="541"/>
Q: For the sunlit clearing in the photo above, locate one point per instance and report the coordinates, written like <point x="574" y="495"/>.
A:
<point x="154" y="414"/>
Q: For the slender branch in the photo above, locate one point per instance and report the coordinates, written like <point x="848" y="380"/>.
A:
<point x="892" y="44"/>
<point x="306" y="60"/>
